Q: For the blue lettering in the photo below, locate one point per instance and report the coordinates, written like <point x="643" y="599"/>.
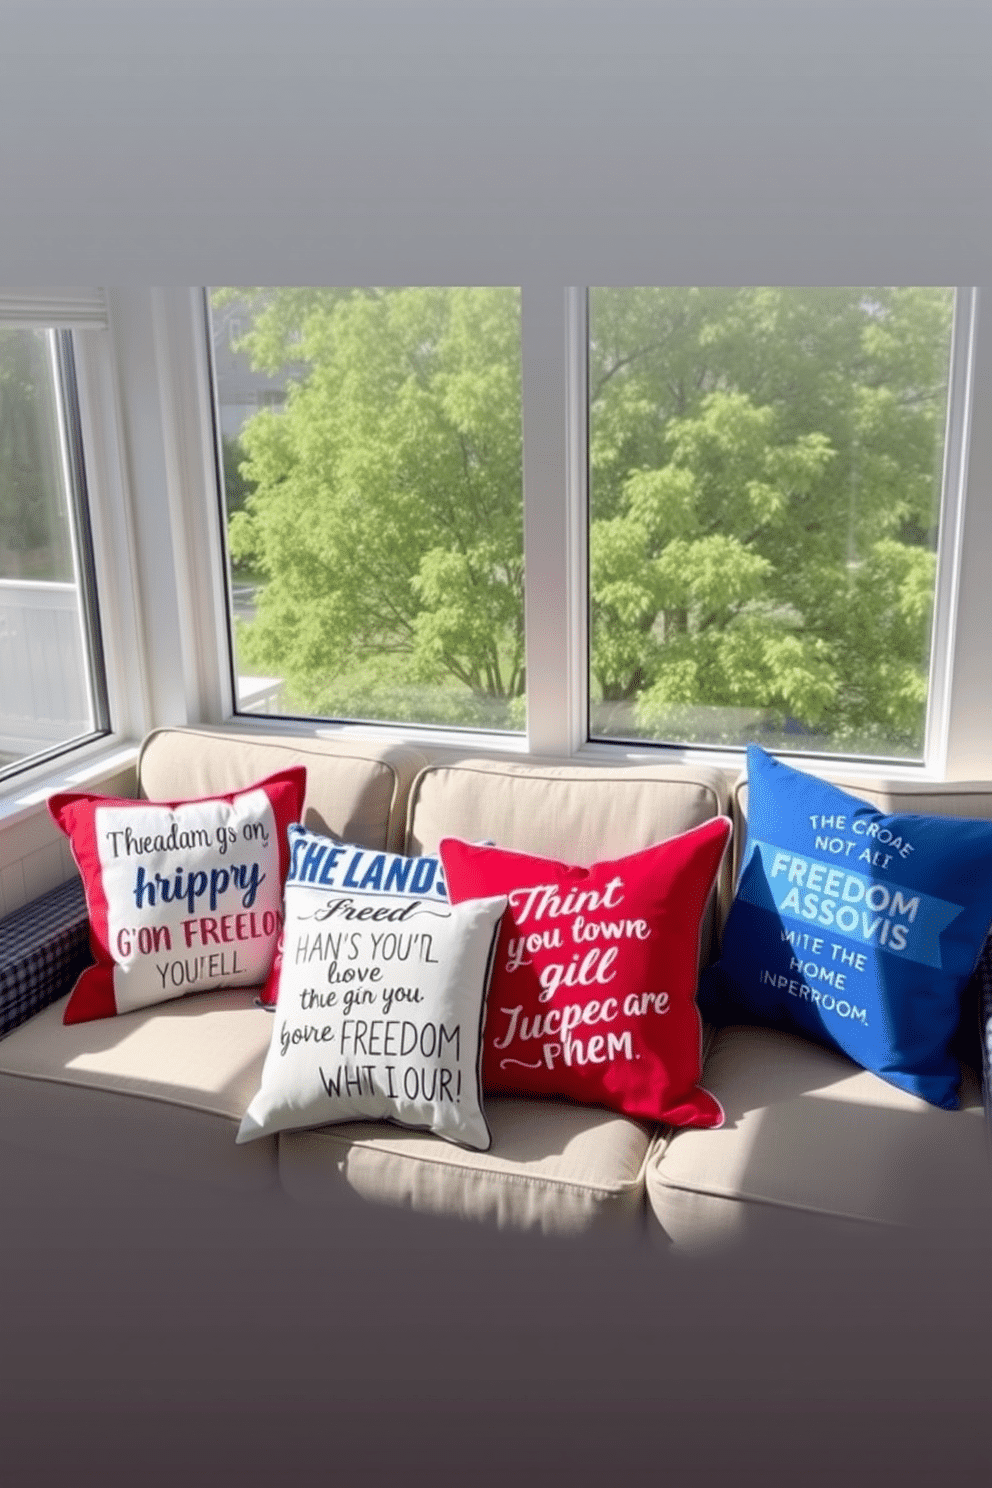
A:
<point x="143" y="886"/>
<point x="330" y="862"/>
<point x="372" y="878"/>
<point x="314" y="856"/>
<point x="423" y="875"/>
<point x="398" y="874"/>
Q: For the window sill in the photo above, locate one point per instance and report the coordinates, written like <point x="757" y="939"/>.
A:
<point x="729" y="760"/>
<point x="84" y="769"/>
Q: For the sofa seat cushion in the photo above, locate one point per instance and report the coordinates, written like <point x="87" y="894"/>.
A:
<point x="160" y="1090"/>
<point x="552" y="1167"/>
<point x="808" y="1131"/>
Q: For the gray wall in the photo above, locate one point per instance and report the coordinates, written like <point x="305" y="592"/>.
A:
<point x="577" y="141"/>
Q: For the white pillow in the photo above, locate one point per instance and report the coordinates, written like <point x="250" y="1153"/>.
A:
<point x="381" y="1000"/>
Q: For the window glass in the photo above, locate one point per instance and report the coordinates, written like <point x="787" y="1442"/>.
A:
<point x="765" y="486"/>
<point x="51" y="686"/>
<point x="371" y="443"/>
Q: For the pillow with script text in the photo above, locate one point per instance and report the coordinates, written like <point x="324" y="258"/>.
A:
<point x="856" y="928"/>
<point x="380" y="997"/>
<point x="182" y="895"/>
<point x="593" y="991"/>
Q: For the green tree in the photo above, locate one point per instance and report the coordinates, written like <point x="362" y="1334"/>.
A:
<point x="765" y="477"/>
<point x="236" y="488"/>
<point x="33" y="531"/>
<point x="385" y="509"/>
<point x="764" y="469"/>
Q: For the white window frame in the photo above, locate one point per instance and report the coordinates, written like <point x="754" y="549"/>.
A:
<point x="959" y="736"/>
<point x="34" y="855"/>
<point x="554" y="355"/>
<point x="83" y="313"/>
<point x="958" y="743"/>
<point x="144" y="374"/>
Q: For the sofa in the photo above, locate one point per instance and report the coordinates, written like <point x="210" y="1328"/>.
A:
<point x="813" y="1148"/>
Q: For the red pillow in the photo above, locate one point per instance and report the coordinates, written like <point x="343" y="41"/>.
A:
<point x="593" y="991"/>
<point x="183" y="896"/>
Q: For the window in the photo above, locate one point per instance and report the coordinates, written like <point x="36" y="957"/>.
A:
<point x="52" y="688"/>
<point x="854" y="616"/>
<point x="373" y="502"/>
<point x="765" y="480"/>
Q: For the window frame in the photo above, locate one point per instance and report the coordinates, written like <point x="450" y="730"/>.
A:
<point x="69" y="434"/>
<point x="472" y="738"/>
<point x="943" y="732"/>
<point x="103" y="445"/>
<point x="554" y="353"/>
<point x="958" y="736"/>
<point x="146" y="396"/>
<point x="71" y="439"/>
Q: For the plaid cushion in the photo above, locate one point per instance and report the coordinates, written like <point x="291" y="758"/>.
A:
<point x="43" y="948"/>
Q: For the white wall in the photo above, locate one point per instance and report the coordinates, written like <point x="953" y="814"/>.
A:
<point x="582" y="141"/>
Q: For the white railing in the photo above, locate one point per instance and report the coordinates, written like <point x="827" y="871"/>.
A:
<point x="259" y="694"/>
<point x="44" y="686"/>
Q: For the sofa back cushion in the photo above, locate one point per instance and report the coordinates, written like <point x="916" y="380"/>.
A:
<point x="578" y="813"/>
<point x="356" y="789"/>
<point x="923" y="798"/>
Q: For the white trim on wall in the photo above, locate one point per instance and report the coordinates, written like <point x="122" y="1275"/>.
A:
<point x="963" y="748"/>
<point x="544" y="408"/>
<point x="184" y="377"/>
<point x="112" y="524"/>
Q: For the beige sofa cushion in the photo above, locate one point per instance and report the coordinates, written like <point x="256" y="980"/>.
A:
<point x="922" y="798"/>
<point x="566" y="810"/>
<point x="553" y="1167"/>
<point x="809" y="1132"/>
<point x="574" y="813"/>
<point x="356" y="789"/>
<point x="159" y="1091"/>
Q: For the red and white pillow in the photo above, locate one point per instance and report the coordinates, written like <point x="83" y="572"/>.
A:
<point x="593" y="991"/>
<point x="183" y="896"/>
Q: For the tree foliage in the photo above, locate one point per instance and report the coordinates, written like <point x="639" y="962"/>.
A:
<point x="764" y="469"/>
<point x="765" y="479"/>
<point x="386" y="514"/>
<point x="33" y="532"/>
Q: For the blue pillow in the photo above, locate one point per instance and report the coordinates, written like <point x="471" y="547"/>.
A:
<point x="855" y="928"/>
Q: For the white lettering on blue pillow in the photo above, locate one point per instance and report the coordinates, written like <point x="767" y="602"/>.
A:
<point x="890" y="917"/>
<point x="857" y="928"/>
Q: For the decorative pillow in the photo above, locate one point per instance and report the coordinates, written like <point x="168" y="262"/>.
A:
<point x="593" y="994"/>
<point x="182" y="895"/>
<point x="381" y="996"/>
<point x="856" y="928"/>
